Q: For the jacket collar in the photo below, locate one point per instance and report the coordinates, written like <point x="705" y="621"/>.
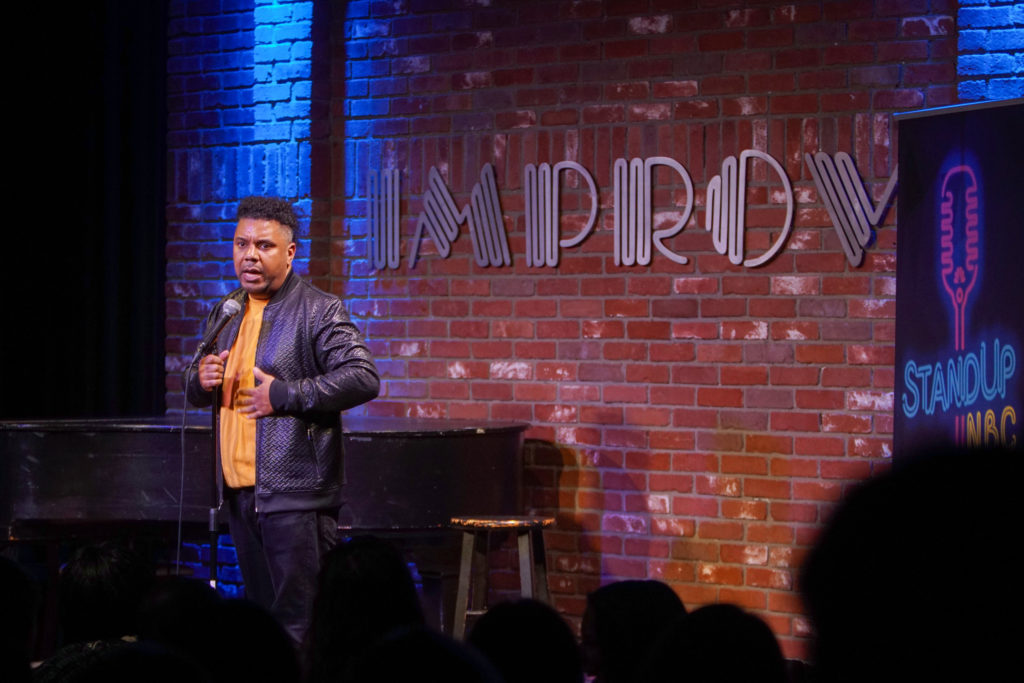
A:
<point x="288" y="285"/>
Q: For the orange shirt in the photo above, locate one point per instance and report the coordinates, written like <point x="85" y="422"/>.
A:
<point x="238" y="432"/>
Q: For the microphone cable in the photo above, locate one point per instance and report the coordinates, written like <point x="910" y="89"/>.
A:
<point x="181" y="484"/>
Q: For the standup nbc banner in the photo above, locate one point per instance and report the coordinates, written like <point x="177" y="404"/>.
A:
<point x="960" y="278"/>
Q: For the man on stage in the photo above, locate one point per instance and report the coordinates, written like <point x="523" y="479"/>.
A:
<point x="287" y="364"/>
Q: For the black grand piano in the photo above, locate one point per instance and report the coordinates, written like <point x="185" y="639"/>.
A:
<point x="405" y="477"/>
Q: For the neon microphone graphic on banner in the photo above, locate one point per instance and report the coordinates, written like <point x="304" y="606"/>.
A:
<point x="968" y="384"/>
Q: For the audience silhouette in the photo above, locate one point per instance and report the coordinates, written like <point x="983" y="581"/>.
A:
<point x="420" y="654"/>
<point x="716" y="644"/>
<point x="914" y="577"/>
<point x="621" y="622"/>
<point x="527" y="641"/>
<point x="365" y="592"/>
<point x="141" y="661"/>
<point x="189" y="618"/>
<point x="19" y="596"/>
<point x="182" y="613"/>
<point x="99" y="592"/>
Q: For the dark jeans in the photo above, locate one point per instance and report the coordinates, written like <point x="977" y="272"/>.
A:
<point x="279" y="554"/>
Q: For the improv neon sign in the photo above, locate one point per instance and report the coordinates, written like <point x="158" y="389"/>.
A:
<point x="635" y="236"/>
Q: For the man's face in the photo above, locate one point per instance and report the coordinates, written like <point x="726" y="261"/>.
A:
<point x="263" y="256"/>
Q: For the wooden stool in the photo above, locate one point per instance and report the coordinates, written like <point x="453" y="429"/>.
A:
<point x="533" y="575"/>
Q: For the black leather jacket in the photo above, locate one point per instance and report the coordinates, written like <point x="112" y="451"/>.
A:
<point x="321" y="366"/>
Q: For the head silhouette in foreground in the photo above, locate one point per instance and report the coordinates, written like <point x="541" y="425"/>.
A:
<point x="913" y="576"/>
<point x="621" y="622"/>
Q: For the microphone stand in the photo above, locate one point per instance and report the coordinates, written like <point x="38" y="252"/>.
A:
<point x="215" y="492"/>
<point x="229" y="310"/>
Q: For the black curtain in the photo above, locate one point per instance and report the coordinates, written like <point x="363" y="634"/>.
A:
<point x="84" y="334"/>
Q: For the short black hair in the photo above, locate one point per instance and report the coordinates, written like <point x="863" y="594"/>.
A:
<point x="271" y="209"/>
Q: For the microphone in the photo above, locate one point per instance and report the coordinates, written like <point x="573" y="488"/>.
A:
<point x="227" y="312"/>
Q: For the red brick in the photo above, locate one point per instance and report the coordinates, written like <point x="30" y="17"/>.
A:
<point x="744" y="464"/>
<point x="707" y="396"/>
<point x="793" y="512"/>
<point x="721" y="40"/>
<point x="743" y="420"/>
<point x="603" y="329"/>
<point x="618" y="308"/>
<point x="819" y="354"/>
<point x="652" y="417"/>
<point x="871" y="355"/>
<point x="769" y="443"/>
<point x="718" y="486"/>
<point x="795" y="422"/>
<point x="720" y="574"/>
<point x="674" y="89"/>
<point x="794" y="375"/>
<point x="694" y="506"/>
<point x="770" y="38"/>
<point x="491" y="349"/>
<point x="916" y="27"/>
<point x="672" y="440"/>
<point x="766" y="488"/>
<point x="718" y="353"/>
<point x="745" y="375"/>
<point x="849" y="54"/>
<point x="792" y="104"/>
<point x="719" y="441"/>
<point x="772" y="308"/>
<point x="795" y="330"/>
<point x="769" y="398"/>
<point x="823" y="399"/>
<point x="819" y="446"/>
<point x="771" y="82"/>
<point x="845" y="469"/>
<point x="769" y="578"/>
<point x="648" y="461"/>
<point x="647" y="374"/>
<point x="769" y="533"/>
<point x="671" y="482"/>
<point x="872" y="308"/>
<point x="898" y="99"/>
<point x="834" y="422"/>
<point x="871" y="447"/>
<point x="747" y="330"/>
<point x="648" y="330"/>
<point x="794" y="467"/>
<point x="796" y="285"/>
<point x="725" y="530"/>
<point x="695" y="285"/>
<point x="672" y="395"/>
<point x="811" y="491"/>
<point x="845" y="330"/>
<point x="694" y="330"/>
<point x="745" y="509"/>
<point x="673" y="571"/>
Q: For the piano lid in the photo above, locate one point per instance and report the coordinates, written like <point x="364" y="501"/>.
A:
<point x="401" y="473"/>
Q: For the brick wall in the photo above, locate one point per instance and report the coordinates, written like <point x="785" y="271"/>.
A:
<point x="991" y="45"/>
<point x="693" y="423"/>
